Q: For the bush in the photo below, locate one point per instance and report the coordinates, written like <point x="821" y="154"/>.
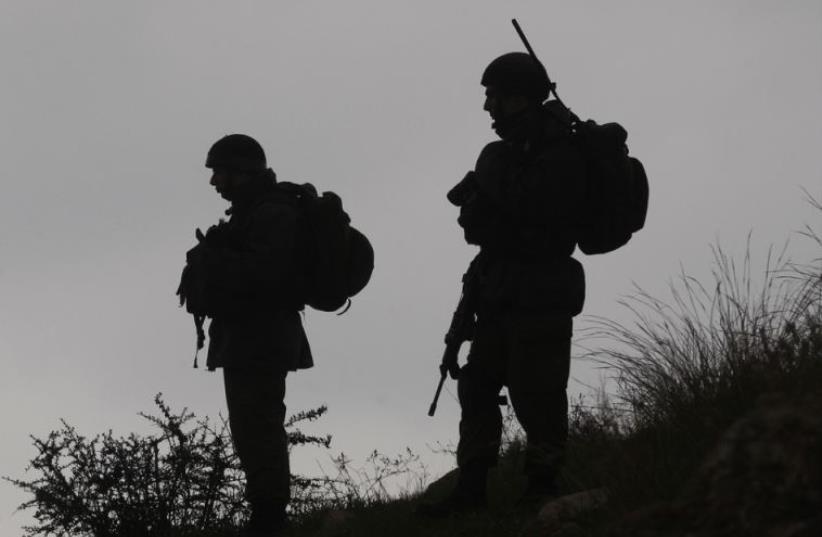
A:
<point x="181" y="480"/>
<point x="186" y="480"/>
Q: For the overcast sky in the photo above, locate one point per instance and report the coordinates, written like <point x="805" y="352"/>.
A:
<point x="108" y="109"/>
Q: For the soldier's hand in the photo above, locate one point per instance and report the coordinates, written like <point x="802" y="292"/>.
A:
<point x="454" y="371"/>
<point x="451" y="366"/>
<point x="216" y="235"/>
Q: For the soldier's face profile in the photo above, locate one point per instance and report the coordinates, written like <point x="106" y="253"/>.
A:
<point x="225" y="181"/>
<point x="500" y="105"/>
<point x="491" y="104"/>
<point x="219" y="178"/>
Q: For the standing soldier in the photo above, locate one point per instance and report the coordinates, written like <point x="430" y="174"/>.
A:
<point x="519" y="205"/>
<point x="244" y="274"/>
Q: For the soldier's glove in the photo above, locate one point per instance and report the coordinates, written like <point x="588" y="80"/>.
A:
<point x="450" y="364"/>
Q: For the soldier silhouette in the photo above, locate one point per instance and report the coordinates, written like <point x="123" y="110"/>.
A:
<point x="244" y="274"/>
<point x="519" y="205"/>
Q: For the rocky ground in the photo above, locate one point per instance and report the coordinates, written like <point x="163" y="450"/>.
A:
<point x="764" y="478"/>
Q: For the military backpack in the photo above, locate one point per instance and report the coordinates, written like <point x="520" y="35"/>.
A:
<point x="337" y="259"/>
<point x="615" y="202"/>
<point x="616" y="193"/>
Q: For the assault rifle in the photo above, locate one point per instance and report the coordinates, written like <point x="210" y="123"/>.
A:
<point x="460" y="330"/>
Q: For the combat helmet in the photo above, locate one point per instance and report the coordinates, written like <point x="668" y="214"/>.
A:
<point x="518" y="73"/>
<point x="237" y="152"/>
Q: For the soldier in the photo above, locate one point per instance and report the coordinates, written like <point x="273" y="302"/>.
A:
<point x="519" y="205"/>
<point x="244" y="274"/>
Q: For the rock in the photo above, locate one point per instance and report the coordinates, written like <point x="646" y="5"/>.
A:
<point x="763" y="478"/>
<point x="556" y="516"/>
<point x="570" y="506"/>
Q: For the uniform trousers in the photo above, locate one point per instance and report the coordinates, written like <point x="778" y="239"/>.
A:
<point x="256" y="415"/>
<point x="530" y="354"/>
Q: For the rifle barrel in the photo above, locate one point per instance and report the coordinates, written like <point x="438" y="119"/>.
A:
<point x="524" y="39"/>
<point x="552" y="88"/>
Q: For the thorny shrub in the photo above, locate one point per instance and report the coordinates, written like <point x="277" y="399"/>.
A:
<point x="183" y="480"/>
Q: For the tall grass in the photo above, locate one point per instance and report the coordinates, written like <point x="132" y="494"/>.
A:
<point x="728" y="342"/>
<point x="689" y="366"/>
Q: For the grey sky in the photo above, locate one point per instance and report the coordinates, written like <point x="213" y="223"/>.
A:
<point x="108" y="109"/>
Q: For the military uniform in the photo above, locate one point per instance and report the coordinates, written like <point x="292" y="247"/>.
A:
<point x="246" y="276"/>
<point x="256" y="278"/>
<point x="520" y="205"/>
<point x="259" y="338"/>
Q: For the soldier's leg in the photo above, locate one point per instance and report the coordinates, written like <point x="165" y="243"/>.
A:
<point x="478" y="386"/>
<point x="256" y="413"/>
<point x="538" y="368"/>
<point x="480" y="424"/>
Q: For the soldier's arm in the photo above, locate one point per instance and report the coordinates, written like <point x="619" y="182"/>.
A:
<point x="480" y="211"/>
<point x="266" y="265"/>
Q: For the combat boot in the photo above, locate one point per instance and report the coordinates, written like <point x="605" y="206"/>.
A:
<point x="468" y="496"/>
